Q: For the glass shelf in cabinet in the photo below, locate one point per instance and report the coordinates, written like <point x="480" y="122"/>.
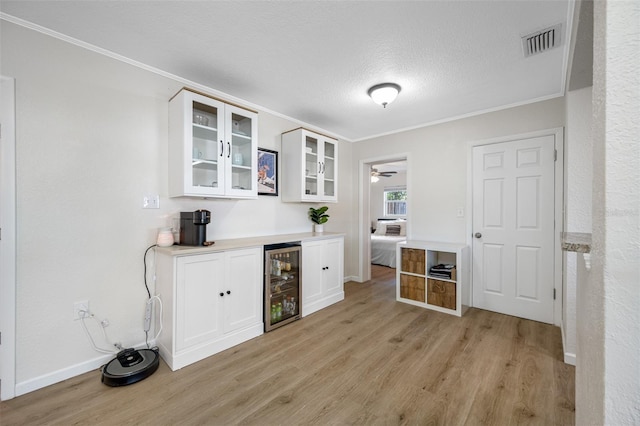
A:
<point x="240" y="166"/>
<point x="205" y="133"/>
<point x="199" y="163"/>
<point x="241" y="136"/>
<point x="202" y="126"/>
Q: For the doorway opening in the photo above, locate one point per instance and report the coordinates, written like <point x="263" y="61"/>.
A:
<point x="376" y="174"/>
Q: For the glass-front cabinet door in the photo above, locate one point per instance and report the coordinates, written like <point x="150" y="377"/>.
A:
<point x="212" y="148"/>
<point x="241" y="151"/>
<point x="310" y="162"/>
<point x="312" y="181"/>
<point x="206" y="159"/>
<point x="329" y="170"/>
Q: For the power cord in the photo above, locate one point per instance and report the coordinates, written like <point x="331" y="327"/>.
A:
<point x="144" y="260"/>
<point x="86" y="313"/>
<point x="148" y="310"/>
<point x="102" y="323"/>
<point x="146" y="331"/>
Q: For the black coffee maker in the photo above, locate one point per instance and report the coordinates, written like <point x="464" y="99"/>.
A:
<point x="193" y="227"/>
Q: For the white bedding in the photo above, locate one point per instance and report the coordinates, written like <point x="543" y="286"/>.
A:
<point x="383" y="249"/>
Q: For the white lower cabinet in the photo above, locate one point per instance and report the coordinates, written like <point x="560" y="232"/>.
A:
<point x="322" y="274"/>
<point x="211" y="302"/>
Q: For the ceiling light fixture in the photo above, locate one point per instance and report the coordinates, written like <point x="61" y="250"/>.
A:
<point x="374" y="179"/>
<point x="384" y="93"/>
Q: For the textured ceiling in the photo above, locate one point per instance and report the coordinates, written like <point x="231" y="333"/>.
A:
<point x="314" y="60"/>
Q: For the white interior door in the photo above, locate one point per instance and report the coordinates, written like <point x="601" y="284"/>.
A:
<point x="513" y="227"/>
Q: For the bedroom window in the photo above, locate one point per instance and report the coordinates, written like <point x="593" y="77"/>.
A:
<point x="395" y="202"/>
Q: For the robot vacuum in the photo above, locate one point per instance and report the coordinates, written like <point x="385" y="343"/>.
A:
<point x="130" y="366"/>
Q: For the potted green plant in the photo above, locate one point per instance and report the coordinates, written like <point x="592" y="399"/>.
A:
<point x="319" y="217"/>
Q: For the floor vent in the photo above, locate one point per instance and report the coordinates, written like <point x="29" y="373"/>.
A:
<point x="541" y="41"/>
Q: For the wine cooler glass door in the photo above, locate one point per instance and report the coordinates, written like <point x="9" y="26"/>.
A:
<point x="282" y="287"/>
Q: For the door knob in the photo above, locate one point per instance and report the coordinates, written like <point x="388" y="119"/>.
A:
<point x="478" y="235"/>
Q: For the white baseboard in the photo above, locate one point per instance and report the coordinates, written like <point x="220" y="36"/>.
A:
<point x="570" y="358"/>
<point x="351" y="278"/>
<point x="67" y="373"/>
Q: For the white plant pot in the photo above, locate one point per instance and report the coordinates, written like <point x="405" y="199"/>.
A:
<point x="318" y="228"/>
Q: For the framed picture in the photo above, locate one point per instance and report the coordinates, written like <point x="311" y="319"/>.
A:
<point x="267" y="172"/>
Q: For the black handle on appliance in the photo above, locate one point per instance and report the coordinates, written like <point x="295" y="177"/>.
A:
<point x="228" y="149"/>
<point x="221" y="147"/>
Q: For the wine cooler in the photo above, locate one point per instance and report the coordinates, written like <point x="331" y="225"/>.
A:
<point x="282" y="272"/>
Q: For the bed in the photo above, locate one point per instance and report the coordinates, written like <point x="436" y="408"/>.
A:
<point x="388" y="233"/>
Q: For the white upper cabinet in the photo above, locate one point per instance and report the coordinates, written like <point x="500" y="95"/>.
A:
<point x="309" y="167"/>
<point x="212" y="148"/>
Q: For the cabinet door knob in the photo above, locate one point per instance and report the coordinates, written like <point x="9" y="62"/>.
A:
<point x="221" y="294"/>
<point x="228" y="291"/>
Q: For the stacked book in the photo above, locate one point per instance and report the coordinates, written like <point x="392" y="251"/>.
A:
<point x="443" y="271"/>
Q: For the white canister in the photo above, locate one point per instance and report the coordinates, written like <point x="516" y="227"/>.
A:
<point x="165" y="237"/>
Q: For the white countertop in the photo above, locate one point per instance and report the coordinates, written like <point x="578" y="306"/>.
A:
<point x="238" y="243"/>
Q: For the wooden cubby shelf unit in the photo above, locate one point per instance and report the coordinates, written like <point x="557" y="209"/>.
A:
<point x="451" y="295"/>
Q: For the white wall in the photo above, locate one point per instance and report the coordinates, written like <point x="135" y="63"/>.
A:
<point x="437" y="163"/>
<point x="578" y="176"/>
<point x="608" y="318"/>
<point x="91" y="140"/>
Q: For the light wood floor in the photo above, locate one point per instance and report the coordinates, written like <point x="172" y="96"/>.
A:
<point x="366" y="360"/>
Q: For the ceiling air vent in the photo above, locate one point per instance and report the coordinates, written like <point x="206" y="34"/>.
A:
<point x="541" y="41"/>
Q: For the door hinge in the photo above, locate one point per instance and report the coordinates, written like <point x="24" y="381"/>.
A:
<point x="555" y="155"/>
<point x="554" y="294"/>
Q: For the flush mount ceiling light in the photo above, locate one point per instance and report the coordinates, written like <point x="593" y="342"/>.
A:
<point x="384" y="93"/>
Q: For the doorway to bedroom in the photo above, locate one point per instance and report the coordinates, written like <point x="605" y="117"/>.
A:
<point x="384" y="211"/>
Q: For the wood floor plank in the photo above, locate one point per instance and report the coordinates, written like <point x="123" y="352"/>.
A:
<point x="366" y="360"/>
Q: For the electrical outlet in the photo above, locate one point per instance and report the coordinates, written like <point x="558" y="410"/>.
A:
<point x="78" y="307"/>
<point x="150" y="201"/>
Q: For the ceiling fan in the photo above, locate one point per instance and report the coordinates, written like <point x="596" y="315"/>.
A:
<point x="376" y="173"/>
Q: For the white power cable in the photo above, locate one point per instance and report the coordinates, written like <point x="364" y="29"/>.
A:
<point x="152" y="299"/>
<point x="83" y="314"/>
